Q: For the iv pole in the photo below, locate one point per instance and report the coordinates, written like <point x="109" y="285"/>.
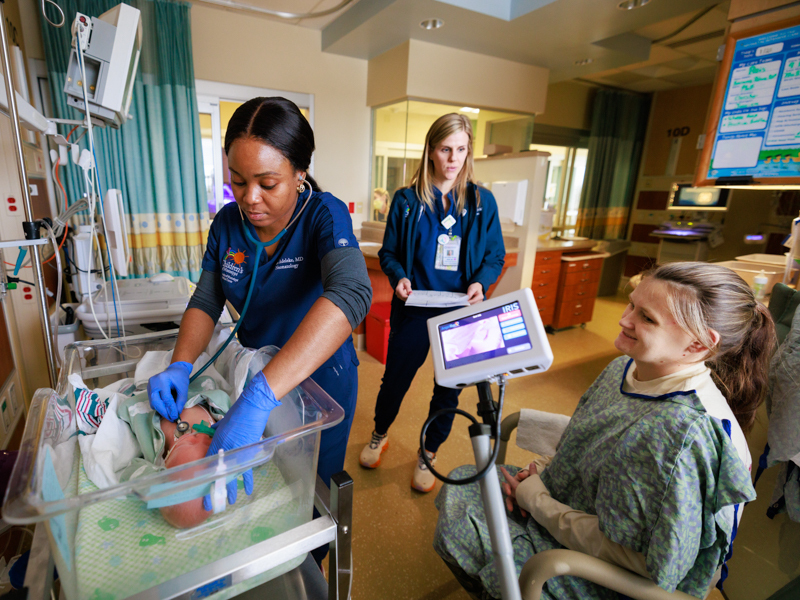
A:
<point x="30" y="232"/>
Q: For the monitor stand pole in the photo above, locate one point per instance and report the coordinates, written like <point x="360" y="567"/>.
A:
<point x="492" y="495"/>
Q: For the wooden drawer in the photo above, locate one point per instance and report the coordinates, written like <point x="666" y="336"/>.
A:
<point x="546" y="271"/>
<point x="547" y="314"/>
<point x="575" y="266"/>
<point x="574" y="312"/>
<point x="580" y="291"/>
<point x="581" y="277"/>
<point x="545" y="300"/>
<point x="549" y="288"/>
<point x="547" y="258"/>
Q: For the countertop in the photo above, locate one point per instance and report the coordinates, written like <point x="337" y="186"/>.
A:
<point x="370" y="249"/>
<point x="544" y="245"/>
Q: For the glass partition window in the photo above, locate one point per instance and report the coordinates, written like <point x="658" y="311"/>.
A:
<point x="565" y="177"/>
<point x="399" y="136"/>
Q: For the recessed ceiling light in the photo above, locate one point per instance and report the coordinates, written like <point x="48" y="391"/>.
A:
<point x="431" y="24"/>
<point x="584" y="61"/>
<point x="469" y="109"/>
<point x="631" y="4"/>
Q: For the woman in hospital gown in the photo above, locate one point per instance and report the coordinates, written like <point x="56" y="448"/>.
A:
<point x="653" y="470"/>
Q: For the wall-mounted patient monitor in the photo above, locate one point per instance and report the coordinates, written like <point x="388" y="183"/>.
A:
<point x="501" y="335"/>
<point x="684" y="197"/>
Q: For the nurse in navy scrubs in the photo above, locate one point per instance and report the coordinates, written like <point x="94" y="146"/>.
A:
<point x="311" y="288"/>
<point x="442" y="234"/>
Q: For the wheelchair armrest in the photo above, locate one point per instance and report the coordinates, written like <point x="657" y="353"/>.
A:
<point x="508" y="425"/>
<point x="552" y="563"/>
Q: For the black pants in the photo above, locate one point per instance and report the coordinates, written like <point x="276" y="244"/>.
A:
<point x="408" y="349"/>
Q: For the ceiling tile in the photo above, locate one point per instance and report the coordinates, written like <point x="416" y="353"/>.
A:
<point x="655" y="71"/>
<point x="625" y="77"/>
<point x="682" y="64"/>
<point x="652" y="85"/>
<point x="693" y="77"/>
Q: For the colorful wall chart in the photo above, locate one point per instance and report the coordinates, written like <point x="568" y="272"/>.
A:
<point x="758" y="132"/>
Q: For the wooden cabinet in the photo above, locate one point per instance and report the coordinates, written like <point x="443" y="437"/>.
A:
<point x="577" y="288"/>
<point x="565" y="285"/>
<point x="546" y="272"/>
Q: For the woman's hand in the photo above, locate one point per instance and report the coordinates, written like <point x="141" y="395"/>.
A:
<point x="403" y="289"/>
<point x="510" y="486"/>
<point x="474" y="293"/>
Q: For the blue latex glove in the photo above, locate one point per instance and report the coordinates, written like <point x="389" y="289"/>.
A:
<point x="243" y="425"/>
<point x="169" y="390"/>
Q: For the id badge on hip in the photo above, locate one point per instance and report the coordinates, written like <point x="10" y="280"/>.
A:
<point x="448" y="249"/>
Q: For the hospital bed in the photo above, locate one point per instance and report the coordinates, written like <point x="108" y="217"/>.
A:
<point x="275" y="562"/>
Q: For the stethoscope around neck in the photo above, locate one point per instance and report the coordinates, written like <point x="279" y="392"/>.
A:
<point x="259" y="247"/>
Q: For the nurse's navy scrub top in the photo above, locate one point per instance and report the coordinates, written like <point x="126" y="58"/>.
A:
<point x="290" y="281"/>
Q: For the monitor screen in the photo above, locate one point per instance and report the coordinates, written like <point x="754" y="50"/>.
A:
<point x="496" y="332"/>
<point x="685" y="197"/>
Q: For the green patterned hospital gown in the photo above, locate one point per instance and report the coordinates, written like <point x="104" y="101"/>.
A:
<point x="661" y="475"/>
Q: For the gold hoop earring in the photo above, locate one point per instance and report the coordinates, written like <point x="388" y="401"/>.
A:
<point x="302" y="185"/>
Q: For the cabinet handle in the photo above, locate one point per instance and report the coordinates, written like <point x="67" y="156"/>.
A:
<point x="547" y="258"/>
<point x="586" y="265"/>
<point x="585" y="279"/>
<point x="543" y="284"/>
<point x="545" y="271"/>
<point x="579" y="306"/>
<point x="541" y="297"/>
<point x="577" y="314"/>
<point x="581" y="293"/>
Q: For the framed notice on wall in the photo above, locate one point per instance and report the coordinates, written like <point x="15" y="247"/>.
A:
<point x="753" y="132"/>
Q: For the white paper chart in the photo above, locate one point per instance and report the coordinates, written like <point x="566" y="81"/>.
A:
<point x="758" y="133"/>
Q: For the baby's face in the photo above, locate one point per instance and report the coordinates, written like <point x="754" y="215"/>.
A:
<point x="191" y="446"/>
<point x="193" y="416"/>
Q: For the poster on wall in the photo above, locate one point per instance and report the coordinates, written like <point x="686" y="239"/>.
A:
<point x="754" y="131"/>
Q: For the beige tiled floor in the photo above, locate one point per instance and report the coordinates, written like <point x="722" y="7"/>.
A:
<point x="392" y="524"/>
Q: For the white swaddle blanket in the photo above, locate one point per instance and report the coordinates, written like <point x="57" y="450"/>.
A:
<point x="108" y="449"/>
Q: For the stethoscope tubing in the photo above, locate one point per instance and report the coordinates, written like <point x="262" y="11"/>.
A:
<point x="259" y="247"/>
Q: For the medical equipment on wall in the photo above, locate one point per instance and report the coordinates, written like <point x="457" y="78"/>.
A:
<point x="103" y="62"/>
<point x="689" y="239"/>
<point x="259" y="247"/>
<point x="102" y="69"/>
<point x="491" y="341"/>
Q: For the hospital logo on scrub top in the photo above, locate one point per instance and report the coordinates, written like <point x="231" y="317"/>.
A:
<point x="233" y="265"/>
<point x="343" y="242"/>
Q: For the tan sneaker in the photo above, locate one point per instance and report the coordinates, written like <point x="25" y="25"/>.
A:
<point x="371" y="454"/>
<point x="423" y="480"/>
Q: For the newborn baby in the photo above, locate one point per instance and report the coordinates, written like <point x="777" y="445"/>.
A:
<point x="189" y="447"/>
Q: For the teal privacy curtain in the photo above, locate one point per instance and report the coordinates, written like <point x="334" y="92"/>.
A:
<point x="155" y="159"/>
<point x="619" y="122"/>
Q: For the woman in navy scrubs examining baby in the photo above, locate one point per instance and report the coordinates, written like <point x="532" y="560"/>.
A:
<point x="311" y="289"/>
<point x="442" y="234"/>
